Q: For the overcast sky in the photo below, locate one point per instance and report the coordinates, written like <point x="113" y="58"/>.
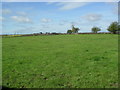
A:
<point x="34" y="17"/>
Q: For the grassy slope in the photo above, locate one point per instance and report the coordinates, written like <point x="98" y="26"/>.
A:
<point x="80" y="61"/>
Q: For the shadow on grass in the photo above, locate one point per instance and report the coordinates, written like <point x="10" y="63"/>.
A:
<point x="3" y="87"/>
<point x="7" y="88"/>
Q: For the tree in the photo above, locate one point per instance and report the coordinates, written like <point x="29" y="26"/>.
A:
<point x="75" y="30"/>
<point x="69" y="31"/>
<point x="40" y="32"/>
<point x="95" y="29"/>
<point x="114" y="27"/>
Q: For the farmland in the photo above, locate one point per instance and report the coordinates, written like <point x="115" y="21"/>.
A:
<point x="60" y="61"/>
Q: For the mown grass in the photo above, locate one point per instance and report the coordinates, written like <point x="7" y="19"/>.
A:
<point x="60" y="61"/>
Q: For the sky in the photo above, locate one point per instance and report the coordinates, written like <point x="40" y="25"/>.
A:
<point x="35" y="17"/>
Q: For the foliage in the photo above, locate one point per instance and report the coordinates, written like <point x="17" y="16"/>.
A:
<point x="95" y="29"/>
<point x="114" y="27"/>
<point x="69" y="31"/>
<point x="41" y="33"/>
<point x="74" y="30"/>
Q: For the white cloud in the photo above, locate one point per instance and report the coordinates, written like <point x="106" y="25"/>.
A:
<point x="115" y="7"/>
<point x="74" y="23"/>
<point x="6" y="11"/>
<point x="22" y="13"/>
<point x="60" y="0"/>
<point x="115" y="10"/>
<point x="45" y="20"/>
<point x="2" y="18"/>
<point x="21" y="19"/>
<point x="92" y="17"/>
<point x="44" y="26"/>
<point x="29" y="29"/>
<point x="69" y="5"/>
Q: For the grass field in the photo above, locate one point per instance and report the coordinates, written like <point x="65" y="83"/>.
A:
<point x="60" y="61"/>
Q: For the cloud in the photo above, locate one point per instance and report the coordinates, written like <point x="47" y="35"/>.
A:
<point x="22" y="13"/>
<point x="114" y="7"/>
<point x="63" y="22"/>
<point x="70" y="5"/>
<point x="44" y="26"/>
<point x="6" y="11"/>
<point x="23" y="30"/>
<point x="2" y="18"/>
<point x="74" y="23"/>
<point x="60" y="0"/>
<point x="45" y="20"/>
<point x="92" y="17"/>
<point x="116" y="11"/>
<point x="21" y="19"/>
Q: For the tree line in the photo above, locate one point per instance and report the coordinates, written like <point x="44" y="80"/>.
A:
<point x="114" y="28"/>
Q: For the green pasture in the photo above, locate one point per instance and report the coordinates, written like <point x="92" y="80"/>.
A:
<point x="60" y="61"/>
